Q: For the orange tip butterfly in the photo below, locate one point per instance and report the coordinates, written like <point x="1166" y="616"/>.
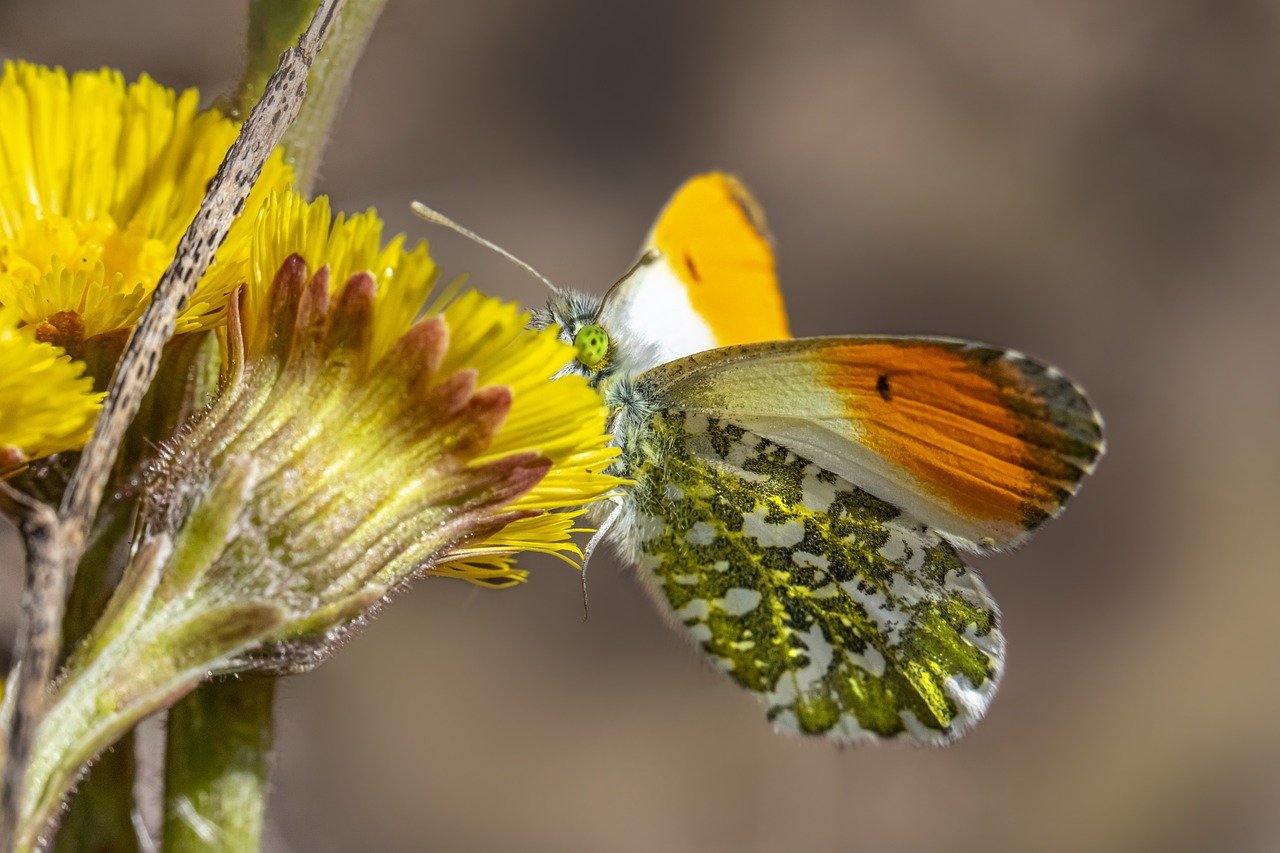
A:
<point x="799" y="506"/>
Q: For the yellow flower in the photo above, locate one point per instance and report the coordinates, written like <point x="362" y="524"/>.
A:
<point x="47" y="404"/>
<point x="352" y="449"/>
<point x="347" y="245"/>
<point x="486" y="339"/>
<point x="98" y="181"/>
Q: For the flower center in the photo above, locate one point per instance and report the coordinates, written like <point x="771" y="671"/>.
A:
<point x="56" y="267"/>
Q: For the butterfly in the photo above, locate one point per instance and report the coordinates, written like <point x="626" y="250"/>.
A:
<point x="800" y="506"/>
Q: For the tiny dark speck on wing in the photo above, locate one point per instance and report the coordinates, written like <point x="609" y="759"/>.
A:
<point x="882" y="386"/>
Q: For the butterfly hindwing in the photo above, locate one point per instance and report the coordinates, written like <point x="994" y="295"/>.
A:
<point x="848" y="618"/>
<point x="981" y="444"/>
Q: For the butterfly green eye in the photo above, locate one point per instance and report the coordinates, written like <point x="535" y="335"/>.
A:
<point x="592" y="345"/>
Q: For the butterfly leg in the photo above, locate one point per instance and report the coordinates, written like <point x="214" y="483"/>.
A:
<point x="596" y="539"/>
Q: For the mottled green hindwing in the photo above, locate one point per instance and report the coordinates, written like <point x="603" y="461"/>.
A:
<point x="849" y="619"/>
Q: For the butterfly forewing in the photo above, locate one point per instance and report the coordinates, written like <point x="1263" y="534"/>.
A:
<point x="714" y="281"/>
<point x="982" y="444"/>
<point x="848" y="618"/>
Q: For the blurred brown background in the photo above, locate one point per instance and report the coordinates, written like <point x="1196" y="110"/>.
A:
<point x="1092" y="181"/>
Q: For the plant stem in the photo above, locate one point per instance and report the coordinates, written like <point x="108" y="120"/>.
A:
<point x="305" y="140"/>
<point x="273" y="26"/>
<point x="44" y="592"/>
<point x="219" y="741"/>
<point x="101" y="815"/>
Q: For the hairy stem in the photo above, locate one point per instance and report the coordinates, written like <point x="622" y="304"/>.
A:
<point x="217" y="756"/>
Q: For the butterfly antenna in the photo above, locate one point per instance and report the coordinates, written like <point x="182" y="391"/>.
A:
<point x="437" y="218"/>
<point x="650" y="256"/>
<point x="596" y="539"/>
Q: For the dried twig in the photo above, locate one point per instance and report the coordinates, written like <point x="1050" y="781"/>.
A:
<point x="55" y="544"/>
<point x="39" y="636"/>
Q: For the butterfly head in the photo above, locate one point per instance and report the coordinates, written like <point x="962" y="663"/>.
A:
<point x="591" y="346"/>
<point x="576" y="318"/>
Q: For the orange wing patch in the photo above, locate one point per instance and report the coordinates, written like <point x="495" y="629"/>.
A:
<point x="981" y="444"/>
<point x="985" y="432"/>
<point x="713" y="235"/>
